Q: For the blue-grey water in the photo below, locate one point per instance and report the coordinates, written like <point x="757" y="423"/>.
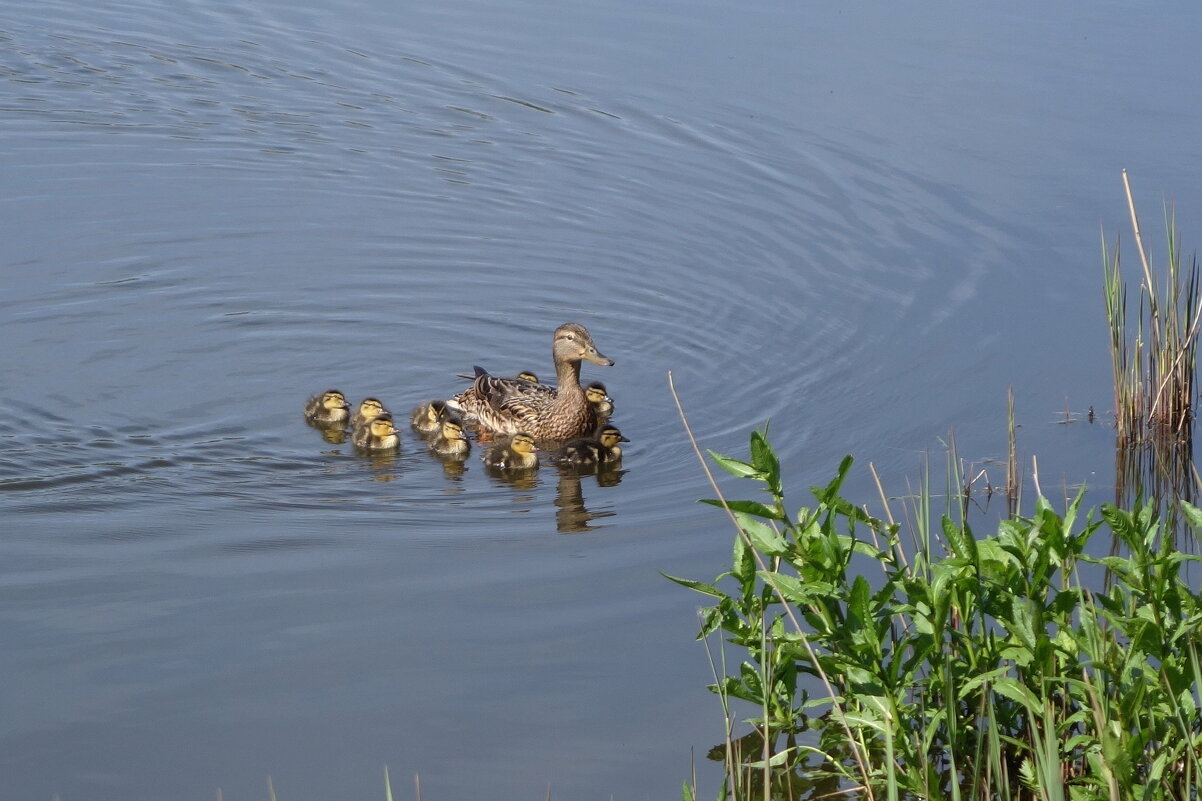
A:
<point x="863" y="222"/>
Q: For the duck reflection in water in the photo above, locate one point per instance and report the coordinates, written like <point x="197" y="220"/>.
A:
<point x="385" y="465"/>
<point x="571" y="515"/>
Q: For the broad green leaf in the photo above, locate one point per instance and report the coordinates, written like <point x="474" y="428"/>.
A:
<point x="1015" y="691"/>
<point x="734" y="466"/>
<point x="790" y="588"/>
<point x="699" y="586"/>
<point x="749" y="507"/>
<point x="765" y="538"/>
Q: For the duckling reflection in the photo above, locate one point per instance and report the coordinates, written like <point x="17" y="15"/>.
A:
<point x="385" y="464"/>
<point x="427" y="417"/>
<point x="571" y="514"/>
<point x="333" y="434"/>
<point x="450" y="442"/>
<point x="377" y="435"/>
<point x="327" y="408"/>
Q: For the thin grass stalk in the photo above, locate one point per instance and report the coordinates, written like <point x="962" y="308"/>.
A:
<point x="728" y="741"/>
<point x="1012" y="478"/>
<point x="859" y="749"/>
<point x="767" y="681"/>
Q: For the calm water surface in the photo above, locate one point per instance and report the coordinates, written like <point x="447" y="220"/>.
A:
<point x="860" y="223"/>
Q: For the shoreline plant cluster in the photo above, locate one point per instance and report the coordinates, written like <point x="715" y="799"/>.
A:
<point x="1017" y="665"/>
<point x="970" y="668"/>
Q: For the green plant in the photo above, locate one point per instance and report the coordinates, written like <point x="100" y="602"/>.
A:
<point x="984" y="669"/>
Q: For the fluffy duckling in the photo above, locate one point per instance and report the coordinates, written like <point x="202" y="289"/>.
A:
<point x="450" y="441"/>
<point x="602" y="450"/>
<point x="327" y="408"/>
<point x="602" y="404"/>
<point x="369" y="409"/>
<point x="377" y="435"/>
<point x="517" y="454"/>
<point x="428" y="417"/>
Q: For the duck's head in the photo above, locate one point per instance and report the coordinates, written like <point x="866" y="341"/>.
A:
<point x="382" y="427"/>
<point x="573" y="342"/>
<point x="332" y="399"/>
<point x="370" y="408"/>
<point x="596" y="394"/>
<point x="452" y="429"/>
<point x="526" y="375"/>
<point x="522" y="442"/>
<point x="609" y="436"/>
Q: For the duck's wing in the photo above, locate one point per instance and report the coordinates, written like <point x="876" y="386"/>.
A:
<point x="515" y="397"/>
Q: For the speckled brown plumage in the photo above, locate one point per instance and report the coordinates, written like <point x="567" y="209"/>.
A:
<point x="507" y="405"/>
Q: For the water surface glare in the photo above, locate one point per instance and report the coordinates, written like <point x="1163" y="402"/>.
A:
<point x="860" y="223"/>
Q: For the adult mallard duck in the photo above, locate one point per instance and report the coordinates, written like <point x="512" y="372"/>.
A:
<point x="377" y="435"/>
<point x="327" y="408"/>
<point x="369" y="409"/>
<point x="427" y="418"/>
<point x="599" y="399"/>
<point x="602" y="450"/>
<point x="450" y="441"/>
<point x="508" y="405"/>
<point x="517" y="454"/>
<point x="525" y="375"/>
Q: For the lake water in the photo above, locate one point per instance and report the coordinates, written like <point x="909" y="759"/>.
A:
<point x="861" y="222"/>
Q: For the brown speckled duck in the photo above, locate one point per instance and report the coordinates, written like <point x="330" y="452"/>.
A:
<point x="525" y="375"/>
<point x="327" y="408"/>
<point x="507" y="405"/>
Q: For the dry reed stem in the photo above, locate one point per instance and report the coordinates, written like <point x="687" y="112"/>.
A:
<point x="1139" y="244"/>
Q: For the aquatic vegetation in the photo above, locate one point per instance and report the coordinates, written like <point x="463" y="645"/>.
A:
<point x="1154" y="360"/>
<point x="948" y="664"/>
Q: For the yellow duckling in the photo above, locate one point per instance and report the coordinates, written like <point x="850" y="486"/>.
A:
<point x="428" y="417"/>
<point x="507" y="405"/>
<point x="369" y="409"/>
<point x="517" y="454"/>
<point x="377" y="435"/>
<point x="601" y="451"/>
<point x="450" y="441"/>
<point x="599" y="399"/>
<point x="327" y="408"/>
